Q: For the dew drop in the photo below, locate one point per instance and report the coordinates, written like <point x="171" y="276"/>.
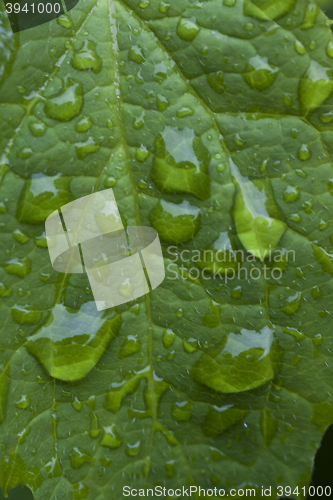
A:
<point x="139" y="121"/>
<point x="80" y="457"/>
<point x="110" y="182"/>
<point x="84" y="124"/>
<point x="187" y="29"/>
<point x="20" y="236"/>
<point x="304" y="153"/>
<point x="185" y="111"/>
<point x="19" y="267"/>
<point x="179" y="312"/>
<point x="300" y="49"/>
<point x="163" y="7"/>
<point x="168" y="338"/>
<point x="141" y="154"/>
<point x="37" y="128"/>
<point x="135" y="54"/>
<point x="24" y="153"/>
<point x="26" y="314"/>
<point x="23" y="402"/>
<point x="91" y="145"/>
<point x="67" y="103"/>
<point x="111" y="438"/>
<point x="291" y="194"/>
<point x="132" y="450"/>
<point x="65" y="21"/>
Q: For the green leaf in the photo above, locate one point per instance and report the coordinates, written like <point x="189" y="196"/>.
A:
<point x="213" y="123"/>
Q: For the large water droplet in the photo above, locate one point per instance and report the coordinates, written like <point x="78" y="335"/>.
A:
<point x="26" y="314"/>
<point x="316" y="87"/>
<point x="87" y="58"/>
<point x="19" y="267"/>
<point x="67" y="103"/>
<point x="175" y="223"/>
<point x="181" y="162"/>
<point x="244" y="362"/>
<point x="187" y="29"/>
<point x="72" y="342"/>
<point x="259" y="74"/>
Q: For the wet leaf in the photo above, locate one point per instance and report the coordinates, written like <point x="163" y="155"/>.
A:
<point x="213" y="123"/>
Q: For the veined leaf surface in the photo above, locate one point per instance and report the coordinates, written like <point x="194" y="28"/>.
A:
<point x="185" y="109"/>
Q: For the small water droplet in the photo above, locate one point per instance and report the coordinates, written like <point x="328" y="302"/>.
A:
<point x="65" y="21"/>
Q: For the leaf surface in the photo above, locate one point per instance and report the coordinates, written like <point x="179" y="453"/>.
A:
<point x="212" y="122"/>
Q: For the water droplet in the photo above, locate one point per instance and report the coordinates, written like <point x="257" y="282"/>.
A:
<point x="94" y="431"/>
<point x="291" y="194"/>
<point x="91" y="145"/>
<point x="249" y="26"/>
<point x="87" y="58"/>
<point x="182" y="411"/>
<point x="19" y="267"/>
<point x="181" y="162"/>
<point x="185" y="111"/>
<point x="77" y="405"/>
<point x="4" y="291"/>
<point x="229" y="3"/>
<point x="80" y="491"/>
<point x="259" y="74"/>
<point x="26" y="314"/>
<point x="216" y="82"/>
<point x="310" y="16"/>
<point x="67" y="103"/>
<point x="292" y="304"/>
<point x="168" y="338"/>
<point x="23" y="402"/>
<point x="175" y="223"/>
<point x="143" y="4"/>
<point x="84" y="124"/>
<point x="190" y="345"/>
<point x="245" y="350"/>
<point x="179" y="312"/>
<point x="132" y="450"/>
<point x="80" y="457"/>
<point x="131" y="345"/>
<point x="65" y="21"/>
<point x="300" y="49"/>
<point x="304" y="153"/>
<point x="163" y="7"/>
<point x="162" y="102"/>
<point x="327" y="117"/>
<point x="329" y="48"/>
<point x="37" y="128"/>
<point x="187" y="29"/>
<point x="315" y="87"/>
<point x="110" y="182"/>
<point x="136" y="54"/>
<point x="298" y="336"/>
<point x="20" y="236"/>
<point x="111" y="438"/>
<point x="236" y="293"/>
<point x="322" y="225"/>
<point x="139" y="121"/>
<point x="24" y="153"/>
<point x="142" y="153"/>
<point x="70" y="354"/>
